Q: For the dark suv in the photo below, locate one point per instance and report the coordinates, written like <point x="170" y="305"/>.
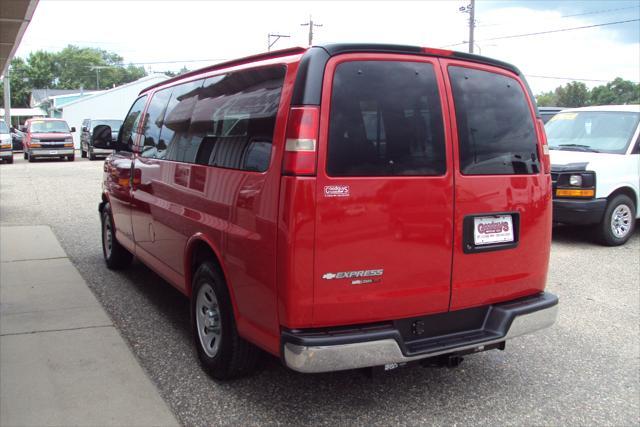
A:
<point x="86" y="140"/>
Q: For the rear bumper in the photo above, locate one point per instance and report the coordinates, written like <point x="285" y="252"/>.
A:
<point x="578" y="212"/>
<point x="324" y="351"/>
<point x="5" y="154"/>
<point x="101" y="151"/>
<point x="53" y="152"/>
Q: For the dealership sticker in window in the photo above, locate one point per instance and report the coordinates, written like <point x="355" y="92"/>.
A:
<point x="336" y="191"/>
<point x="492" y="229"/>
<point x="564" y="116"/>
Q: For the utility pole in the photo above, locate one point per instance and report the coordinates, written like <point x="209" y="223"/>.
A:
<point x="7" y="99"/>
<point x="471" y="10"/>
<point x="311" y="24"/>
<point x="98" y="68"/>
<point x="276" y="37"/>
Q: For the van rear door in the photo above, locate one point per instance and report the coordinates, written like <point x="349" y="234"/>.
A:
<point x="384" y="191"/>
<point x="502" y="197"/>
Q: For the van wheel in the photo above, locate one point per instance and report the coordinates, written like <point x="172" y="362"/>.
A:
<point x="618" y="222"/>
<point x="10" y="159"/>
<point x="30" y="158"/>
<point x="26" y="156"/>
<point x="91" y="155"/>
<point x="222" y="352"/>
<point x="115" y="255"/>
<point x="83" y="154"/>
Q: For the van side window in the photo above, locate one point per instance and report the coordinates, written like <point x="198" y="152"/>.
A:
<point x="153" y="146"/>
<point x="128" y="133"/>
<point x="234" y="119"/>
<point x="495" y="127"/>
<point x="181" y="145"/>
<point x="385" y="120"/>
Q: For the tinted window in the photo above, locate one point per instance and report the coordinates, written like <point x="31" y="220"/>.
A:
<point x="113" y="124"/>
<point x="385" y="120"/>
<point x="3" y="127"/>
<point x="182" y="146"/>
<point x="153" y="146"/>
<point x="495" y="127"/>
<point x="233" y="119"/>
<point x="129" y="127"/>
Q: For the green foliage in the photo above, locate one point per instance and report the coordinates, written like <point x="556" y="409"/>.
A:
<point x="71" y="68"/>
<point x="576" y="94"/>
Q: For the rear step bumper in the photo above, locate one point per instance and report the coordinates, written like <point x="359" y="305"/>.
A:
<point x="476" y="329"/>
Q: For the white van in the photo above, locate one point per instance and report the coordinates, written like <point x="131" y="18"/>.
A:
<point x="595" y="168"/>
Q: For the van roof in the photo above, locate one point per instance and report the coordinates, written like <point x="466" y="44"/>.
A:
<point x="623" y="108"/>
<point x="332" y="49"/>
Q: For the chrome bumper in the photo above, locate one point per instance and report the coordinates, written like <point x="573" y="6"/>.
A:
<point x="314" y="359"/>
<point x="53" y="152"/>
<point x="102" y="151"/>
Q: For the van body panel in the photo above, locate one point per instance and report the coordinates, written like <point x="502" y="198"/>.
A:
<point x="488" y="277"/>
<point x="398" y="225"/>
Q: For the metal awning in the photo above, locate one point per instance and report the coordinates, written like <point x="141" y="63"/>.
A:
<point x="15" y="16"/>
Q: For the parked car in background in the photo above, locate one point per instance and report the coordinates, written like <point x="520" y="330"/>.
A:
<point x="546" y="113"/>
<point x="16" y="139"/>
<point x="6" y="149"/>
<point x="595" y="156"/>
<point x="86" y="141"/>
<point x="268" y="190"/>
<point x="46" y="138"/>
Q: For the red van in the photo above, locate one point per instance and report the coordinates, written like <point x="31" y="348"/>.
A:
<point x="46" y="138"/>
<point x="341" y="206"/>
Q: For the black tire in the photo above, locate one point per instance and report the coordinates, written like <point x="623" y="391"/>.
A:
<point x="116" y="257"/>
<point x="71" y="158"/>
<point x="235" y="357"/>
<point x="26" y="156"/>
<point x="30" y="158"/>
<point x="10" y="159"/>
<point x="620" y="215"/>
<point x="83" y="154"/>
<point x="92" y="156"/>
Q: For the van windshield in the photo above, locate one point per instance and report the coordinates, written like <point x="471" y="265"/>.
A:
<point x="3" y="128"/>
<point x="57" y="126"/>
<point x="593" y="131"/>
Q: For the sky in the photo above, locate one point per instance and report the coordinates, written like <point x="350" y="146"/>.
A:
<point x="167" y="35"/>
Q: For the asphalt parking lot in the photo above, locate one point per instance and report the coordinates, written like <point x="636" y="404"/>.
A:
<point x="584" y="370"/>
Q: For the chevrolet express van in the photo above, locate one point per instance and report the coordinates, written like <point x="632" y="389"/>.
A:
<point x="341" y="206"/>
<point x="6" y="149"/>
<point x="595" y="155"/>
<point x="47" y="138"/>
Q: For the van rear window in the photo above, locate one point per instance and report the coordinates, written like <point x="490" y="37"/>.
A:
<point x="495" y="128"/>
<point x="385" y="120"/>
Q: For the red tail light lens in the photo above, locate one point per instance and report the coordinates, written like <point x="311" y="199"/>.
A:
<point x="437" y="52"/>
<point x="542" y="137"/>
<point x="300" y="151"/>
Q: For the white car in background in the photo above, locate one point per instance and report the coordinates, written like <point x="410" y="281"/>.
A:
<point x="595" y="168"/>
<point x="6" y="148"/>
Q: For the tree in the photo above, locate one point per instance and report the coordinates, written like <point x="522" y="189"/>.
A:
<point x="618" y="91"/>
<point x="547" y="99"/>
<point x="71" y="68"/>
<point x="574" y="94"/>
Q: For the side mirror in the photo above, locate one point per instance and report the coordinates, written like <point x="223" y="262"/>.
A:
<point x="102" y="138"/>
<point x="73" y="129"/>
<point x="85" y="129"/>
<point x="23" y="128"/>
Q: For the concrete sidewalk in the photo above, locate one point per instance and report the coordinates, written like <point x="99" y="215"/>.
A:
<point x="62" y="362"/>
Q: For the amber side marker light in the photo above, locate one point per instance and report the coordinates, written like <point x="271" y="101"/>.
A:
<point x="575" y="193"/>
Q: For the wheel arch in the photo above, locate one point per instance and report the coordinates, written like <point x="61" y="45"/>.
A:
<point x="200" y="248"/>
<point x="627" y="191"/>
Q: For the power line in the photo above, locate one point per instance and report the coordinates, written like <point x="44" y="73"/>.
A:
<point x="568" y="78"/>
<point x="548" y="32"/>
<point x="595" y="12"/>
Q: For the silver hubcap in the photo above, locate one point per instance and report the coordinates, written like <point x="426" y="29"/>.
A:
<point x="208" y="320"/>
<point x="621" y="221"/>
<point x="107" y="238"/>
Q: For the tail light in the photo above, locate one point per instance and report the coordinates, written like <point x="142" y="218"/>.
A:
<point x="300" y="151"/>
<point x="70" y="144"/>
<point x="542" y="137"/>
<point x="35" y="145"/>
